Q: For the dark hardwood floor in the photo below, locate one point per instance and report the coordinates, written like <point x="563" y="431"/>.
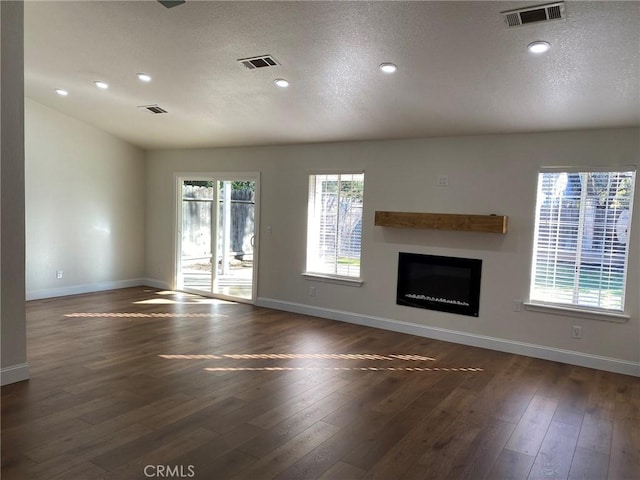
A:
<point x="138" y="383"/>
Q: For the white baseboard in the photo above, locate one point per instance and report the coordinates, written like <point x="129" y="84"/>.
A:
<point x="493" y="343"/>
<point x="14" y="373"/>
<point x="150" y="282"/>
<point x="88" y="288"/>
<point x="95" y="287"/>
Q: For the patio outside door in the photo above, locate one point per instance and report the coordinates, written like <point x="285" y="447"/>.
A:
<point x="217" y="236"/>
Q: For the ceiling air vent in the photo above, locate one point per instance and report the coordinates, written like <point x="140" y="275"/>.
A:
<point x="258" y="62"/>
<point x="171" y="3"/>
<point x="153" y="108"/>
<point x="540" y="13"/>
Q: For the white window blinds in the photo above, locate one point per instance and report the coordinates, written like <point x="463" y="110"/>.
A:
<point x="334" y="228"/>
<point x="580" y="251"/>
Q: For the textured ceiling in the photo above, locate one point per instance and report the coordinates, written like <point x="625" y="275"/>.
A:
<point x="461" y="70"/>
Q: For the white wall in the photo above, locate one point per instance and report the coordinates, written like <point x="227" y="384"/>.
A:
<point x="13" y="364"/>
<point x="85" y="206"/>
<point x="487" y="174"/>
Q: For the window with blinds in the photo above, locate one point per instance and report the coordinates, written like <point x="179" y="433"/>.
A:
<point x="580" y="251"/>
<point x="334" y="226"/>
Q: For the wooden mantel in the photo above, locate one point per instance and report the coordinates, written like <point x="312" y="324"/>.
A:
<point x="443" y="221"/>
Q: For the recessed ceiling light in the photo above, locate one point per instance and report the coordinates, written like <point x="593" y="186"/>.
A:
<point x="143" y="77"/>
<point x="388" y="67"/>
<point x="61" y="92"/>
<point x="281" y="82"/>
<point x="538" y="47"/>
<point x="101" y="84"/>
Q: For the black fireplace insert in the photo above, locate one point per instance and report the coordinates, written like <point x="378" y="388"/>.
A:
<point x="446" y="284"/>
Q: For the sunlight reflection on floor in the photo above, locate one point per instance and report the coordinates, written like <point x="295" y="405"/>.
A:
<point x="195" y="301"/>
<point x="368" y="369"/>
<point x="330" y="356"/>
<point x="141" y="315"/>
<point x="181" y="298"/>
<point x="319" y="356"/>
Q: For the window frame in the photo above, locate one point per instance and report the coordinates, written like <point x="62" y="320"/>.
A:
<point x="309" y="273"/>
<point x="578" y="309"/>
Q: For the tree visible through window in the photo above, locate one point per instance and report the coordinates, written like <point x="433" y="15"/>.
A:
<point x="334" y="228"/>
<point x="580" y="251"/>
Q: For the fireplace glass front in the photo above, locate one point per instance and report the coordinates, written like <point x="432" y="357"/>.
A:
<point x="446" y="284"/>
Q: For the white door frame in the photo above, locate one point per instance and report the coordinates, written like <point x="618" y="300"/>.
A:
<point x="177" y="231"/>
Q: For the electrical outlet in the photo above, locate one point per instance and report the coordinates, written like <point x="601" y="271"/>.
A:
<point x="59" y="274"/>
<point x="576" y="332"/>
<point x="516" y="305"/>
<point x="312" y="291"/>
<point x="443" y="180"/>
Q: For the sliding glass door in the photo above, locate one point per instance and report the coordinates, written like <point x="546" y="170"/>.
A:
<point x="217" y="249"/>
<point x="235" y="237"/>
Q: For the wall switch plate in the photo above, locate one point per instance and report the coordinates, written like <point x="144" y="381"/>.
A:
<point x="516" y="305"/>
<point x="443" y="180"/>
<point x="576" y="332"/>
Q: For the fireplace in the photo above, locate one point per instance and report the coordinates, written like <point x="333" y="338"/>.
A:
<point x="446" y="284"/>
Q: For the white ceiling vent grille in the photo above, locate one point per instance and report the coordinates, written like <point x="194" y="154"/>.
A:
<point x="155" y="109"/>
<point x="261" y="61"/>
<point x="540" y="13"/>
<point x="171" y="3"/>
